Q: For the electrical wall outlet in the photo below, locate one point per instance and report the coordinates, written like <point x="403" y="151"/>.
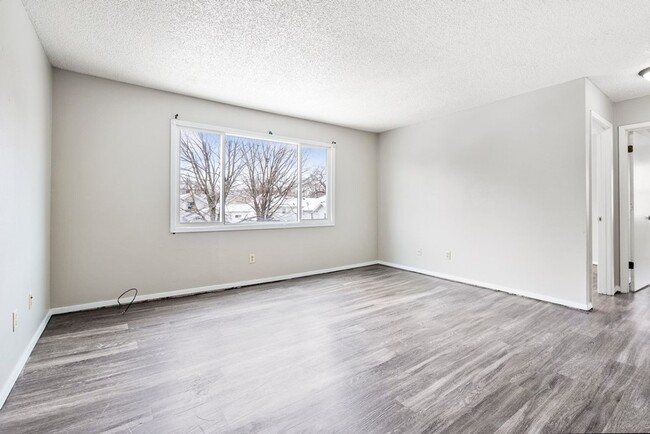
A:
<point x="419" y="252"/>
<point x="14" y="320"/>
<point x="448" y="256"/>
<point x="31" y="301"/>
<point x="251" y="258"/>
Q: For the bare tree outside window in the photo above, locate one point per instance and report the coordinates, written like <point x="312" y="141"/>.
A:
<point x="315" y="184"/>
<point x="200" y="173"/>
<point x="267" y="182"/>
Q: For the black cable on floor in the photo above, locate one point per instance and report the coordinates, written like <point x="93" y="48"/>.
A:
<point x="131" y="302"/>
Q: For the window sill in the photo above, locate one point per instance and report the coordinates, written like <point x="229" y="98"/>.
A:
<point x="246" y="227"/>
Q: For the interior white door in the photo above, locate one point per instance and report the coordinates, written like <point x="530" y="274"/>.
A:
<point x="596" y="210"/>
<point x="602" y="199"/>
<point x="641" y="210"/>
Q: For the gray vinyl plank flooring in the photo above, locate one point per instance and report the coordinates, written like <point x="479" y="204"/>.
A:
<point x="371" y="350"/>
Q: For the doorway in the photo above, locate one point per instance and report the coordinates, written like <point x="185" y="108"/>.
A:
<point x="601" y="252"/>
<point x="634" y="180"/>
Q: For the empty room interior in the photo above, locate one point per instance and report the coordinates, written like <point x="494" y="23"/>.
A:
<point x="345" y="216"/>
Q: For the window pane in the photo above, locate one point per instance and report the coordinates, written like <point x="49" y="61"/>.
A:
<point x="260" y="180"/>
<point x="200" y="176"/>
<point x="314" y="183"/>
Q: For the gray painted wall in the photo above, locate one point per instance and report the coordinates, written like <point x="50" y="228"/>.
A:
<point x="110" y="195"/>
<point x="632" y="111"/>
<point x="503" y="187"/>
<point x="25" y="134"/>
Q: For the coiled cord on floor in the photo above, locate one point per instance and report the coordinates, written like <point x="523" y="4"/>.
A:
<point x="131" y="302"/>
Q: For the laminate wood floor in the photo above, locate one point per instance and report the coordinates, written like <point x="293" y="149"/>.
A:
<point x="368" y="350"/>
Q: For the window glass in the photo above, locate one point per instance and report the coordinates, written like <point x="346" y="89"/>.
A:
<point x="314" y="183"/>
<point x="200" y="176"/>
<point x="227" y="180"/>
<point x="260" y="180"/>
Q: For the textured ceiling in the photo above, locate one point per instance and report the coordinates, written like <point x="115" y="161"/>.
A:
<point x="367" y="64"/>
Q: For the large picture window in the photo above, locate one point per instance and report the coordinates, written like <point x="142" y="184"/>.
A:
<point x="223" y="179"/>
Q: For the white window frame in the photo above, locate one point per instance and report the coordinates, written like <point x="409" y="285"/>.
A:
<point x="177" y="227"/>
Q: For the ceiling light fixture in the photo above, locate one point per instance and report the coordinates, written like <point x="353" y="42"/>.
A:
<point x="645" y="73"/>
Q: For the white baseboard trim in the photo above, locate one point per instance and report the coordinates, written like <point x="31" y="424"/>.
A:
<point x="20" y="364"/>
<point x="540" y="297"/>
<point x="203" y="289"/>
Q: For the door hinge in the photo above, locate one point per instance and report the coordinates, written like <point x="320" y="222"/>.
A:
<point x="630" y="148"/>
<point x="630" y="265"/>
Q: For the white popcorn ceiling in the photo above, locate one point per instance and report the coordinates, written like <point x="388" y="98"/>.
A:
<point x="367" y="64"/>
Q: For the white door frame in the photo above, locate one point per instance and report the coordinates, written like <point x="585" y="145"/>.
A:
<point x="605" y="188"/>
<point x="625" y="171"/>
